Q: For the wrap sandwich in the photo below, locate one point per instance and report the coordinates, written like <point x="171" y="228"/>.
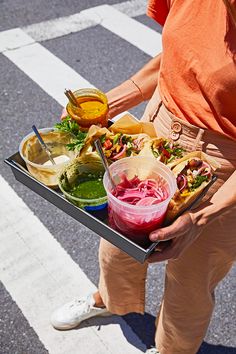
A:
<point x="193" y="173"/>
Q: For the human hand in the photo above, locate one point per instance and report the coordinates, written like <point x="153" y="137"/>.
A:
<point x="178" y="237"/>
<point x="64" y="114"/>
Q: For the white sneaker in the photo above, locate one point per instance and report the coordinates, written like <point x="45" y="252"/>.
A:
<point x="152" y="351"/>
<point x="73" y="313"/>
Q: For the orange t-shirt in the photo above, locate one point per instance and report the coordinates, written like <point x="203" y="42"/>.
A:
<point x="197" y="78"/>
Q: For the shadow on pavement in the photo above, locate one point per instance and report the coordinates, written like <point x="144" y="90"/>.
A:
<point x="143" y="326"/>
<point x="99" y="322"/>
<point x="207" y="348"/>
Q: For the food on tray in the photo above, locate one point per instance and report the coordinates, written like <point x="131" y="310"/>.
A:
<point x="193" y="173"/>
<point x="140" y="192"/>
<point x="139" y="202"/>
<point x="128" y="124"/>
<point x="91" y="108"/>
<point x="36" y="159"/>
<point x="122" y="145"/>
<point x="81" y="183"/>
<point x="115" y="146"/>
<point x="78" y="137"/>
<point x="165" y="150"/>
<point x="57" y="159"/>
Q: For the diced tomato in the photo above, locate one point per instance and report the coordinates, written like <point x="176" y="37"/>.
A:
<point x="166" y="153"/>
<point x="107" y="144"/>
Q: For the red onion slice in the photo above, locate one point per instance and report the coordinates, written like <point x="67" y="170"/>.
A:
<point x="120" y="154"/>
<point x="182" y="179"/>
<point x="205" y="166"/>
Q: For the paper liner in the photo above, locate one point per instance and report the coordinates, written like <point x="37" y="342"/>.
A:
<point x="128" y="124"/>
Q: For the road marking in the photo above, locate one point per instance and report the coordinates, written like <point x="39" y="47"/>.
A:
<point x="40" y="275"/>
<point x="58" y="27"/>
<point x="132" y="8"/>
<point x="13" y="39"/>
<point x="70" y="24"/>
<point x="48" y="71"/>
<point x="134" y="32"/>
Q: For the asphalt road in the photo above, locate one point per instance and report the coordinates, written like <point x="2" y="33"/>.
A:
<point x="105" y="60"/>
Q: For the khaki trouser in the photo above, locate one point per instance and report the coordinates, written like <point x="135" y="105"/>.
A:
<point x="190" y="281"/>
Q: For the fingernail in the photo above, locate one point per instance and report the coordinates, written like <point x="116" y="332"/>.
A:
<point x="153" y="237"/>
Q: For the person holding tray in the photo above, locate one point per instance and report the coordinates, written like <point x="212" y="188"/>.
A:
<point x="191" y="86"/>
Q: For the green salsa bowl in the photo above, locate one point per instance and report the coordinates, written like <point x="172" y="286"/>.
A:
<point x="82" y="183"/>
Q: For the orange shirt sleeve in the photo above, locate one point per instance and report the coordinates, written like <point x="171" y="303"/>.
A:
<point x="158" y="10"/>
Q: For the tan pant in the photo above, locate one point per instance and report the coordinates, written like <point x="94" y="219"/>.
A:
<point x="190" y="281"/>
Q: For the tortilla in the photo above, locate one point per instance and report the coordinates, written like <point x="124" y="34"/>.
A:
<point x="96" y="132"/>
<point x="130" y="125"/>
<point x="180" y="202"/>
<point x="163" y="156"/>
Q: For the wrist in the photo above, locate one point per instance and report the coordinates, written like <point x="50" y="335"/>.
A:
<point x="204" y="215"/>
<point x="123" y="97"/>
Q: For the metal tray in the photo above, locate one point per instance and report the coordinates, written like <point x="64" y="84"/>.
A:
<point x="96" y="220"/>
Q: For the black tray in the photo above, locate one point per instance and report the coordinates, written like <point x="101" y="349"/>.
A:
<point x="96" y="221"/>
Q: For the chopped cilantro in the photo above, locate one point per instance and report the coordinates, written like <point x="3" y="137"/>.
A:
<point x="69" y="126"/>
<point x="116" y="138"/>
<point x="178" y="152"/>
<point x="103" y="138"/>
<point x="155" y="153"/>
<point x="198" y="181"/>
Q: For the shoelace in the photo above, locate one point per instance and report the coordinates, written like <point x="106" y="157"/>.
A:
<point x="81" y="302"/>
<point x="77" y="302"/>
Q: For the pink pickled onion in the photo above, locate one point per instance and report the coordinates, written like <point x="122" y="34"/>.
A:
<point x="148" y="201"/>
<point x="143" y="193"/>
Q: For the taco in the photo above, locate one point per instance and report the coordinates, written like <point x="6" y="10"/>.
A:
<point x="193" y="174"/>
<point x="122" y="145"/>
<point x="115" y="146"/>
<point x="164" y="150"/>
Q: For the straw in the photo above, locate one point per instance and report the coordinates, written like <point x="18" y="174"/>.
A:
<point x="71" y="97"/>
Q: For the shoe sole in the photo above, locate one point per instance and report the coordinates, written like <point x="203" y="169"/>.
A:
<point x="64" y="328"/>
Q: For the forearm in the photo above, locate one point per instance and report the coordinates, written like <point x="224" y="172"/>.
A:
<point x="137" y="89"/>
<point x="147" y="78"/>
<point x="222" y="202"/>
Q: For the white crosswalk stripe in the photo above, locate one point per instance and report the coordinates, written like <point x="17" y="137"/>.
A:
<point x="70" y="24"/>
<point x="127" y="28"/>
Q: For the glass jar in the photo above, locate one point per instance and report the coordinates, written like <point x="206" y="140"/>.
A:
<point x="92" y="108"/>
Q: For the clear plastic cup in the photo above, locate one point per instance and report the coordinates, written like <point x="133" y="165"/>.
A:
<point x="136" y="222"/>
<point x="34" y="156"/>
